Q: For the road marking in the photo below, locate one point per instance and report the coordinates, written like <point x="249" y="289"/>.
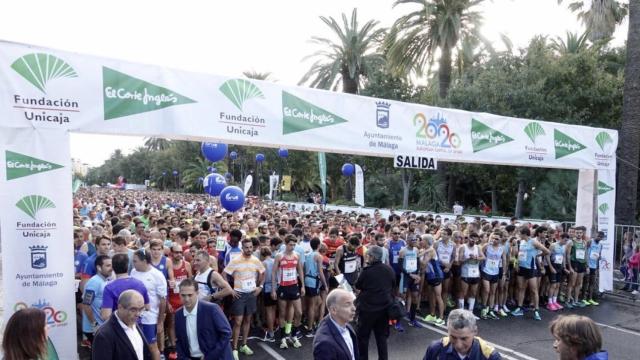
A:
<point x="270" y="351"/>
<point x="631" y="332"/>
<point x="502" y="349"/>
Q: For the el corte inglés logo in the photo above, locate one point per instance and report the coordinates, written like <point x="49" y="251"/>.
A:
<point x="126" y="95"/>
<point x="39" y="69"/>
<point x="19" y="165"/>
<point x="301" y="115"/>
<point x="603" y="188"/>
<point x="565" y="145"/>
<point x="483" y="137"/>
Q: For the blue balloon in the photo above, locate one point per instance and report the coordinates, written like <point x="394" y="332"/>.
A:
<point x="213" y="151"/>
<point x="214" y="183"/>
<point x="283" y="153"/>
<point x="228" y="175"/>
<point x="175" y="172"/>
<point x="233" y="155"/>
<point x="348" y="169"/>
<point x="232" y="198"/>
<point x="259" y="158"/>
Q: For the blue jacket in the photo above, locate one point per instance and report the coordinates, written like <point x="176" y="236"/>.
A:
<point x="328" y="344"/>
<point x="214" y="333"/>
<point x="602" y="355"/>
<point x="443" y="350"/>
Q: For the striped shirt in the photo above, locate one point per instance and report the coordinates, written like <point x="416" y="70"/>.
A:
<point x="245" y="272"/>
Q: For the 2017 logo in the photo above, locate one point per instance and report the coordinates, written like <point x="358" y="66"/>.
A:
<point x="436" y="131"/>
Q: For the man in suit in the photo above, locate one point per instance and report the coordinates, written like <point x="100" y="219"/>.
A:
<point x="335" y="338"/>
<point x="202" y="330"/>
<point x="120" y="338"/>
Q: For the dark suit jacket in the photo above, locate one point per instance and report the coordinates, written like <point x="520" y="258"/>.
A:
<point x="214" y="333"/>
<point x="328" y="344"/>
<point x="111" y="343"/>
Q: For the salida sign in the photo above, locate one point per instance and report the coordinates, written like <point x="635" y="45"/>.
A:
<point x="415" y="162"/>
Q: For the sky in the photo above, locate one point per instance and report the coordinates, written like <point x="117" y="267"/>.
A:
<point x="228" y="37"/>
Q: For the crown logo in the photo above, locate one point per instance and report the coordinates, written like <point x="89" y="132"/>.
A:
<point x="38" y="248"/>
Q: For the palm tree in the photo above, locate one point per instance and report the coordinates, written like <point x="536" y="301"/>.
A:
<point x="252" y="74"/>
<point x="156" y="144"/>
<point x="437" y="25"/>
<point x="349" y="60"/>
<point x="629" y="140"/>
<point x="601" y="18"/>
<point x="573" y="44"/>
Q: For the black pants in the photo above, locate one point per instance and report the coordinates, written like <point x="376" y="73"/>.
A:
<point x="378" y="322"/>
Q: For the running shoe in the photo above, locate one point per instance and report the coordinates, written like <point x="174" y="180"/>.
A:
<point x="634" y="292"/>
<point x="506" y="309"/>
<point x="283" y="344"/>
<point x="439" y="322"/>
<point x="493" y="315"/>
<point x="502" y="313"/>
<point x="235" y="355"/>
<point x="517" y="312"/>
<point x="550" y="307"/>
<point x="268" y="337"/>
<point x="311" y="333"/>
<point x="415" y="324"/>
<point x="558" y="306"/>
<point x="296" y="343"/>
<point x="568" y="305"/>
<point x="579" y="304"/>
<point x="536" y="315"/>
<point x="430" y="318"/>
<point x="586" y="302"/>
<point x="399" y="327"/>
<point x="483" y="313"/>
<point x="246" y="350"/>
<point x="450" y="303"/>
<point x="173" y="355"/>
<point x="593" y="302"/>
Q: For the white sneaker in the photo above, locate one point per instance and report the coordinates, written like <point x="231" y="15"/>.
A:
<point x="635" y="292"/>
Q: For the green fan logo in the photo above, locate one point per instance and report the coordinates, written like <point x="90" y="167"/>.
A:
<point x="300" y="115"/>
<point x="603" y="188"/>
<point x="483" y="137"/>
<point x="19" y="165"/>
<point x="533" y="131"/>
<point x="603" y="208"/>
<point x="565" y="144"/>
<point x="39" y="69"/>
<point x="604" y="140"/>
<point x="126" y="95"/>
<point x="31" y="204"/>
<point x="239" y="90"/>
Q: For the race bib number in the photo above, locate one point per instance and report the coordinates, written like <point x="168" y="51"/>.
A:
<point x="580" y="254"/>
<point x="474" y="272"/>
<point x="395" y="259"/>
<point x="594" y="256"/>
<point x="249" y="284"/>
<point x="289" y="274"/>
<point x="493" y="263"/>
<point x="412" y="265"/>
<point x="349" y="267"/>
<point x="558" y="258"/>
<point x="445" y="258"/>
<point x="220" y="243"/>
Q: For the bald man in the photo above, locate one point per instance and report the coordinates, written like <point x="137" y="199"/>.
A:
<point x="335" y="339"/>
<point x="120" y="338"/>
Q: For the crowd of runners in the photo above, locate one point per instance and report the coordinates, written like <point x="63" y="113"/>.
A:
<point x="270" y="266"/>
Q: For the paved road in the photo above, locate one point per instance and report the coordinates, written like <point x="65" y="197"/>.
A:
<point x="516" y="338"/>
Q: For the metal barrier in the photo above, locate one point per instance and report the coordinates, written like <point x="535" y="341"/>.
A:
<point x="626" y="238"/>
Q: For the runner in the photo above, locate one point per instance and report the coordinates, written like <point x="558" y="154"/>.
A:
<point x="181" y="271"/>
<point x="491" y="274"/>
<point x="211" y="285"/>
<point x="434" y="276"/>
<point x="348" y="260"/>
<point x="446" y="254"/>
<point x="527" y="251"/>
<point x="557" y="256"/>
<point x="314" y="281"/>
<point x="577" y="267"/>
<point x="269" y="304"/>
<point x="247" y="273"/>
<point x="287" y="288"/>
<point x="410" y="278"/>
<point x="591" y="282"/>
<point x="92" y="298"/>
<point x="470" y="257"/>
<point x="394" y="245"/>
<point x="503" y="282"/>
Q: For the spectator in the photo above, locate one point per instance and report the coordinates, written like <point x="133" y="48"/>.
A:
<point x="335" y="338"/>
<point x="462" y="342"/>
<point x="120" y="338"/>
<point x="197" y="318"/>
<point x="577" y="338"/>
<point x="25" y="335"/>
<point x="376" y="284"/>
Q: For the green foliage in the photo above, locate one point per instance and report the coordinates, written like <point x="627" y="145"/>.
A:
<point x="556" y="196"/>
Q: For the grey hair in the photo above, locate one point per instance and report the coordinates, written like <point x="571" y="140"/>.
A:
<point x="462" y="319"/>
<point x="335" y="296"/>
<point x="126" y="298"/>
<point x="376" y="253"/>
<point x="428" y="238"/>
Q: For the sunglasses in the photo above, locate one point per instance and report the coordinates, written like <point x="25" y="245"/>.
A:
<point x="395" y="233"/>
